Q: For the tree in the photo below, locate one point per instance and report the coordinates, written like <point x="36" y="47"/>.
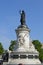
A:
<point x="11" y="47"/>
<point x="1" y="48"/>
<point x="41" y="55"/>
<point x="38" y="46"/>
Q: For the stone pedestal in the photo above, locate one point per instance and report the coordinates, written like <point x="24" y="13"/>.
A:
<point x="24" y="51"/>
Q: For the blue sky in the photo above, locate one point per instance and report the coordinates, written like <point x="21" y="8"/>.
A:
<point x="10" y="19"/>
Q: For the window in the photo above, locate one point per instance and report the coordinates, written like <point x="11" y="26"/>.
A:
<point x="36" y="56"/>
<point x="15" y="56"/>
<point x="23" y="56"/>
<point x="30" y="56"/>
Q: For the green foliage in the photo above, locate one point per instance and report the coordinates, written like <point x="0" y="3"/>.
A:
<point x="41" y="55"/>
<point x="11" y="47"/>
<point x="38" y="46"/>
<point x="1" y="48"/>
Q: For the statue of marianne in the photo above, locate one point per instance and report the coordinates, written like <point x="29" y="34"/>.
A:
<point x="22" y="20"/>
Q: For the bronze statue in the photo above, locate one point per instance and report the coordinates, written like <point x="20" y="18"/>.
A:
<point x="22" y="20"/>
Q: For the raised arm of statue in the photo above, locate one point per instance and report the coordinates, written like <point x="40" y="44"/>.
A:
<point x="22" y="20"/>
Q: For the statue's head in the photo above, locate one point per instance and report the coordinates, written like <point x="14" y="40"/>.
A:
<point x="23" y="12"/>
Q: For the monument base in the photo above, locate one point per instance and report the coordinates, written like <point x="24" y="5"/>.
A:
<point x="24" y="61"/>
<point x="24" y="58"/>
